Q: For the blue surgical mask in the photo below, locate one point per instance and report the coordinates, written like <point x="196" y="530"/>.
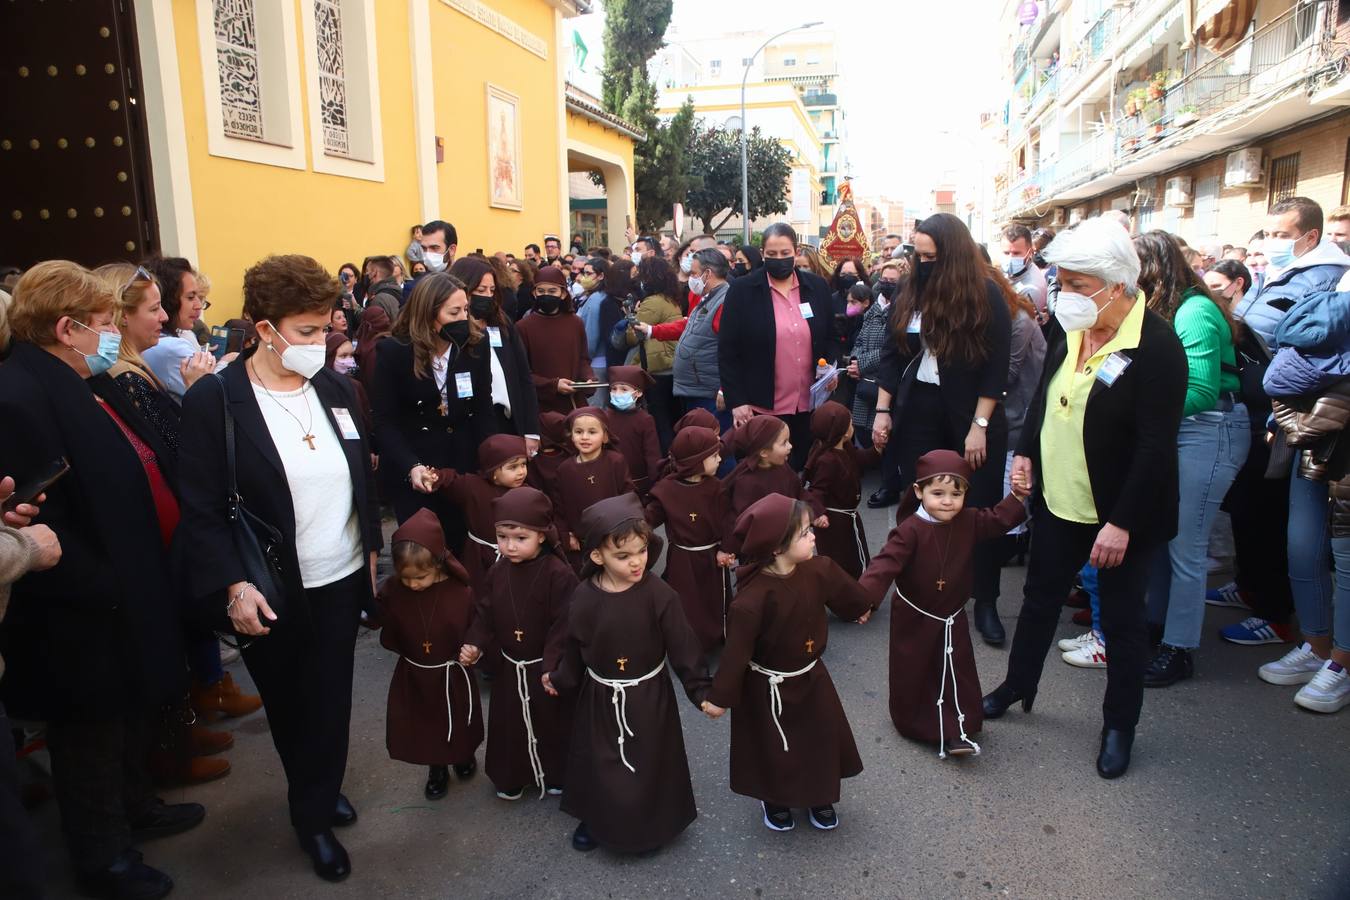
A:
<point x="623" y="402"/>
<point x="1280" y="252"/>
<point x="109" y="343"/>
<point x="1014" y="266"/>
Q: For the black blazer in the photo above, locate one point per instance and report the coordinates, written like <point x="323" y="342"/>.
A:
<point x="204" y="551"/>
<point x="1129" y="432"/>
<point x="408" y="423"/>
<point x="747" y="340"/>
<point x="519" y="385"/>
<point x="961" y="384"/>
<point x="98" y="635"/>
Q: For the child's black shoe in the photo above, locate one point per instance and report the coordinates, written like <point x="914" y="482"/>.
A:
<point x="510" y="793"/>
<point x="582" y="840"/>
<point x="777" y="818"/>
<point x="438" y="782"/>
<point x="467" y="770"/>
<point x="555" y="790"/>
<point x="824" y="818"/>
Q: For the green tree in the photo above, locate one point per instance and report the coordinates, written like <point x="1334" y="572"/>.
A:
<point x="634" y="31"/>
<point x="715" y="153"/>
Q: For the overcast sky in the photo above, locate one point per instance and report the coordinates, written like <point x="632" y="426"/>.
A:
<point x="910" y="70"/>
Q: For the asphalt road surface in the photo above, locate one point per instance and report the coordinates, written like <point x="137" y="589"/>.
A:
<point x="1234" y="792"/>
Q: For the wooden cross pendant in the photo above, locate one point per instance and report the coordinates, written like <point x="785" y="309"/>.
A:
<point x="810" y="644"/>
<point x="591" y="479"/>
<point x="693" y="517"/>
<point x="519" y="634"/>
<point x="444" y="409"/>
<point x="623" y="662"/>
<point x="426" y="647"/>
<point x="309" y="439"/>
<point x="940" y="583"/>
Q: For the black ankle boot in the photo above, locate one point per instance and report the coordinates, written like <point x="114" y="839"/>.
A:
<point x="1114" y="757"/>
<point x="987" y="623"/>
<point x="1170" y="665"/>
<point x="998" y="700"/>
<point x="329" y="857"/>
<point x="438" y="782"/>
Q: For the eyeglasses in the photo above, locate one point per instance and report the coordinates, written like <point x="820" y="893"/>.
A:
<point x="139" y="275"/>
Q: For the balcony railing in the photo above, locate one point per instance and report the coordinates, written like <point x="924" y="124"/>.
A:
<point x="1091" y="48"/>
<point x="1265" y="59"/>
<point x="821" y="100"/>
<point x="1048" y="89"/>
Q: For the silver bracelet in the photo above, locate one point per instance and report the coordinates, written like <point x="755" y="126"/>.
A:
<point x="239" y="596"/>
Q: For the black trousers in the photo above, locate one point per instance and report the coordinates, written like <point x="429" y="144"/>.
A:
<point x="799" y="432"/>
<point x="305" y="680"/>
<point x="1259" y="510"/>
<point x="662" y="405"/>
<point x="102" y="784"/>
<point x="21" y="857"/>
<point x="1058" y="550"/>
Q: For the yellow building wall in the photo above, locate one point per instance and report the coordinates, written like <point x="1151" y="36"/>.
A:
<point x="593" y="134"/>
<point x="245" y="211"/>
<point x="469" y="56"/>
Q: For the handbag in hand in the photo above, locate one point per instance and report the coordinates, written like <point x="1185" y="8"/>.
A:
<point x="257" y="543"/>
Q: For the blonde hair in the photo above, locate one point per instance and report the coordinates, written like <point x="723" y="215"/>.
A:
<point x="50" y="291"/>
<point x="813" y="261"/>
<point x="5" y="301"/>
<point x="203" y="284"/>
<point x="129" y="292"/>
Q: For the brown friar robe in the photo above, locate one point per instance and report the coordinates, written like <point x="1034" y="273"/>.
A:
<point x="747" y="487"/>
<point x="918" y="554"/>
<point x="780" y="624"/>
<point x="543" y="468"/>
<point x="522" y="614"/>
<point x="835" y="477"/>
<point x="635" y="432"/>
<point x="580" y="484"/>
<point x="694" y="515"/>
<point x="474" y="494"/>
<point x="628" y="636"/>
<point x="417" y="726"/>
<point x="556" y="347"/>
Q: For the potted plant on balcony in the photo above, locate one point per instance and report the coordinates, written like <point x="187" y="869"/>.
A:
<point x="1187" y="115"/>
<point x="1134" y="101"/>
<point x="1157" y="86"/>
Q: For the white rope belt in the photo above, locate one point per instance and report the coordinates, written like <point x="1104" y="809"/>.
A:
<point x="857" y="532"/>
<point x="947" y="666"/>
<point x="619" y="699"/>
<point x="482" y="543"/>
<point x="697" y="549"/>
<point x="775" y="696"/>
<point x="523" y="691"/>
<point x="449" y="707"/>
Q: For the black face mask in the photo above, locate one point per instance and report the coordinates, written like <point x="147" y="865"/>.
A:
<point x="547" y="305"/>
<point x="780" y="269"/>
<point x="739" y="269"/>
<point x="481" y="307"/>
<point x="924" y="271"/>
<point x="886" y="289"/>
<point x="456" y="333"/>
<point x="847" y="281"/>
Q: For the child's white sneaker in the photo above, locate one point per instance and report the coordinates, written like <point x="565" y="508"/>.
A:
<point x="1068" y="644"/>
<point x="1298" y="666"/>
<point x="1091" y="655"/>
<point x="1329" y="690"/>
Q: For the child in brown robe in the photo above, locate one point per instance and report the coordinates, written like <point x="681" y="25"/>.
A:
<point x="554" y="447"/>
<point x="555" y="342"/>
<point x="691" y="504"/>
<point x="434" y="718"/>
<point x="935" y="691"/>
<point x="627" y="773"/>
<point x="834" y="474"/>
<point x="502" y="465"/>
<point x="763" y="447"/>
<point x="522" y="615"/>
<point x="597" y="472"/>
<point x="632" y="427"/>
<point x="790" y="740"/>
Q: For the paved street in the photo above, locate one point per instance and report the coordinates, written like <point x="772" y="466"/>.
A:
<point x="1234" y="793"/>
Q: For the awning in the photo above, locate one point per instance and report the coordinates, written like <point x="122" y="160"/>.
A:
<point x="1223" y="22"/>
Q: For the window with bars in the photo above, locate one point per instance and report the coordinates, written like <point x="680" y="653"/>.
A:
<point x="1283" y="178"/>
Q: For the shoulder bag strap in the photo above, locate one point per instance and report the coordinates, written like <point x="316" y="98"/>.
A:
<point x="229" y="449"/>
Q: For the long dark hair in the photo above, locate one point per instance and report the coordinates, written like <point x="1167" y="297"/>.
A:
<point x="417" y="320"/>
<point x="658" y="277"/>
<point x="954" y="302"/>
<point x="1015" y="300"/>
<point x="169" y="272"/>
<point x="1166" y="278"/>
<point x="471" y="270"/>
<point x="619" y="280"/>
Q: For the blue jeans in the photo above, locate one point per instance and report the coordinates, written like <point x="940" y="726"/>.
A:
<point x="1340" y="551"/>
<point x="1309" y="547"/>
<point x="1211" y="448"/>
<point x="1087" y="576"/>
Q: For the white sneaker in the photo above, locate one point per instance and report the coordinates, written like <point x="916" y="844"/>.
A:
<point x="1091" y="655"/>
<point x="1069" y="644"/>
<point x="1298" y="666"/>
<point x="1328" y="692"/>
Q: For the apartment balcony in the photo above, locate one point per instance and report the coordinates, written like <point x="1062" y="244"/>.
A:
<point x="1048" y="90"/>
<point x="1265" y="62"/>
<point x="821" y="99"/>
<point x="1085" y="58"/>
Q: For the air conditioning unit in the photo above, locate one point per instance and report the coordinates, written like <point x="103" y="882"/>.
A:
<point x="1077" y="214"/>
<point x="1059" y="218"/>
<point x="1123" y="204"/>
<point x="1180" y="192"/>
<point x="1243" y="168"/>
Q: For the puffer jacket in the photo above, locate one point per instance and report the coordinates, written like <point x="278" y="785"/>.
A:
<point x="1316" y="426"/>
<point x="867" y="347"/>
<point x="1314" y="272"/>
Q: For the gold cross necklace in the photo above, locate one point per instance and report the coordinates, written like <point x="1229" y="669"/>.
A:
<point x="306" y="430"/>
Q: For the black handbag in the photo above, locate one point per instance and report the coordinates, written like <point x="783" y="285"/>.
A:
<point x="257" y="543"/>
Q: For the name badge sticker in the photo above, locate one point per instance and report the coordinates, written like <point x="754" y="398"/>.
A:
<point x="346" y="425"/>
<point x="494" y="336"/>
<point x="1112" y="367"/>
<point x="807" y="311"/>
<point x="463" y="385"/>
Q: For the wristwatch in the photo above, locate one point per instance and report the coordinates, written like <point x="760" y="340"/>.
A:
<point x="982" y="421"/>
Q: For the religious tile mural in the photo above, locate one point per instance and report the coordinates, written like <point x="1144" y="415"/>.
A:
<point x="237" y="60"/>
<point x="332" y="78"/>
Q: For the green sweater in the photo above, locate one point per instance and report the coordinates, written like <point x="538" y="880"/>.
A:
<point x="1208" y="342"/>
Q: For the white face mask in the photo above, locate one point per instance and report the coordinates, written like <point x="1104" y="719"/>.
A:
<point x="636" y="257"/>
<point x="1077" y="312"/>
<point x="304" y="360"/>
<point x="435" y="261"/>
<point x="687" y="265"/>
<point x="696" y="284"/>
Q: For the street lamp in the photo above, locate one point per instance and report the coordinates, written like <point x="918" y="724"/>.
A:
<point x="745" y="164"/>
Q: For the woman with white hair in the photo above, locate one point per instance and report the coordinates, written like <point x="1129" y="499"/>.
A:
<point x="1099" y="446"/>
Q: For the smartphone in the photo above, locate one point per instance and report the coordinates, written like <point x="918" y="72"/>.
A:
<point x="219" y="340"/>
<point x="30" y="489"/>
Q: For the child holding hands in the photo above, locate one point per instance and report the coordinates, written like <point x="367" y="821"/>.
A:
<point x="597" y="472"/>
<point x="834" y="473"/>
<point x="763" y="446"/>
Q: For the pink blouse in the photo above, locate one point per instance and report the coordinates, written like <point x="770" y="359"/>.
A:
<point x="792" y="369"/>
